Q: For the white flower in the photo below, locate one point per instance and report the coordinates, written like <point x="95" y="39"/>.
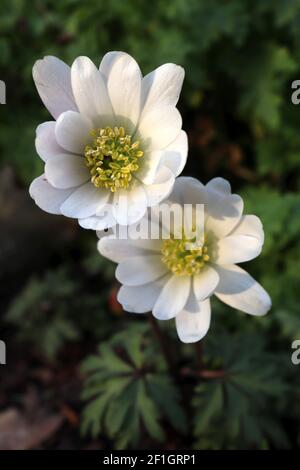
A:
<point x="116" y="138"/>
<point x="163" y="276"/>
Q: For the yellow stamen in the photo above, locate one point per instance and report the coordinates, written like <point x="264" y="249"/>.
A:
<point x="112" y="158"/>
<point x="180" y="259"/>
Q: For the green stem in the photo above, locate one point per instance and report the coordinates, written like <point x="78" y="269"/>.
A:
<point x="163" y="344"/>
<point x="199" y="355"/>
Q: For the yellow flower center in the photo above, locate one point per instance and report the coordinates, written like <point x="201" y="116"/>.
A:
<point x="112" y="158"/>
<point x="184" y="256"/>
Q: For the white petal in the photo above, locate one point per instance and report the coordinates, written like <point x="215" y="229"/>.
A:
<point x="224" y="212"/>
<point x="205" y="283"/>
<point x="130" y="204"/>
<point x="192" y="304"/>
<point x="162" y="86"/>
<point x="45" y="142"/>
<point x="192" y="327"/>
<point x="220" y="185"/>
<point x="124" y="88"/>
<point x="90" y="92"/>
<point x="46" y="197"/>
<point x="98" y="223"/>
<point x="194" y="194"/>
<point x="102" y="221"/>
<point x="159" y="127"/>
<point x="53" y="81"/>
<point x="239" y="290"/>
<point x="237" y="249"/>
<point x="102" y="233"/>
<point x="66" y="171"/>
<point x="72" y="131"/>
<point x="149" y="166"/>
<point x="249" y="225"/>
<point x="140" y="270"/>
<point x="119" y="250"/>
<point x="172" y="298"/>
<point x="175" y="154"/>
<point x="139" y="299"/>
<point x="188" y="190"/>
<point x="85" y="201"/>
<point x="161" y="187"/>
<point x="108" y="61"/>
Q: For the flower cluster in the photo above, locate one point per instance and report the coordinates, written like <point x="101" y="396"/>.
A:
<point x="114" y="151"/>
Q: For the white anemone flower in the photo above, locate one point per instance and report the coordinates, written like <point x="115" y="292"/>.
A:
<point x="166" y="277"/>
<point x="116" y="144"/>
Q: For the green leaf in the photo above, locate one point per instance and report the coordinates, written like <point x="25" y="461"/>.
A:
<point x="132" y="374"/>
<point x="235" y="411"/>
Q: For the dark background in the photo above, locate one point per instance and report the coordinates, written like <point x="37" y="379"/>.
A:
<point x="238" y="389"/>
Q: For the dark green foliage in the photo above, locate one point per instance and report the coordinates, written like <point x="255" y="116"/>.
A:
<point x="40" y="311"/>
<point x="128" y="387"/>
<point x="52" y="310"/>
<point x="240" y="409"/>
<point x="279" y="264"/>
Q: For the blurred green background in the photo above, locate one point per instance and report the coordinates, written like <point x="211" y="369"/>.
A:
<point x="80" y="372"/>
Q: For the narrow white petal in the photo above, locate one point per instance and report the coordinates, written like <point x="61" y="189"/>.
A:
<point x="162" y="86"/>
<point x="192" y="304"/>
<point x="72" y="132"/>
<point x="249" y="225"/>
<point x="90" y="92"/>
<point x="205" y="283"/>
<point x="130" y="204"/>
<point x="140" y="299"/>
<point x="85" y="201"/>
<point x="119" y="250"/>
<point x="101" y="222"/>
<point x="159" y="127"/>
<point x="220" y="185"/>
<point x="224" y="212"/>
<point x="53" y="81"/>
<point x="188" y="190"/>
<point x="45" y="142"/>
<point x="104" y="233"/>
<point x="46" y="197"/>
<point x="66" y="171"/>
<point x="124" y="88"/>
<point x="191" y="327"/>
<point x="239" y="290"/>
<point x="108" y="61"/>
<point x="237" y="249"/>
<point x="175" y="154"/>
<point x="161" y="187"/>
<point x="149" y="166"/>
<point x="97" y="223"/>
<point x="172" y="298"/>
<point x="140" y="270"/>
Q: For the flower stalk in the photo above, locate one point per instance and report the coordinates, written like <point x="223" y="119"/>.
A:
<point x="164" y="346"/>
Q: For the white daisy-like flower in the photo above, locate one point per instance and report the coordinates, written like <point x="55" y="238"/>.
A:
<point x="168" y="278"/>
<point x="116" y="144"/>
